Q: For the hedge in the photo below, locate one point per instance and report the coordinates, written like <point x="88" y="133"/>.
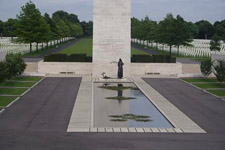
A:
<point x="153" y="59"/>
<point x="67" y="58"/>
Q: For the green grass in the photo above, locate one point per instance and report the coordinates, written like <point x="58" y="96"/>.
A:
<point x="4" y="100"/>
<point x="220" y="93"/>
<point x="27" y="78"/>
<point x="17" y="84"/>
<point x="217" y="85"/>
<point x="209" y="83"/>
<point x="85" y="47"/>
<point x="201" y="80"/>
<point x="200" y="59"/>
<point x="12" y="91"/>
<point x="135" y="51"/>
<point x="82" y="47"/>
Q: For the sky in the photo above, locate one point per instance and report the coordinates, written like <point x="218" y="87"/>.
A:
<point x="190" y="10"/>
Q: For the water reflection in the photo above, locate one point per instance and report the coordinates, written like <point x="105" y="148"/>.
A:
<point x="128" y="111"/>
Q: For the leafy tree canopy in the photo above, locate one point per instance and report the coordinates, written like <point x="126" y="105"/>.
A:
<point x="205" y="29"/>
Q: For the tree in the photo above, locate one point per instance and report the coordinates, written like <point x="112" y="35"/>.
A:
<point x="15" y="65"/>
<point x="10" y="27"/>
<point x="220" y="29"/>
<point x="3" y="73"/>
<point x="183" y="33"/>
<point x="205" y="28"/>
<point x="166" y="31"/>
<point x="1" y="28"/>
<point x="87" y="28"/>
<point x="194" y="29"/>
<point x="31" y="25"/>
<point x="219" y="70"/>
<point x="66" y="17"/>
<point x="62" y="28"/>
<point x="135" y="28"/>
<point x="147" y="29"/>
<point x="75" y="30"/>
<point x="206" y="67"/>
<point x="42" y="31"/>
<point x="53" y="29"/>
<point x="215" y="43"/>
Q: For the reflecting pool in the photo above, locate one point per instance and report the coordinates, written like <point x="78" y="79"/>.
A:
<point x="124" y="105"/>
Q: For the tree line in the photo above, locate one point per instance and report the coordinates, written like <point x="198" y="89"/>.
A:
<point x="175" y="31"/>
<point x="30" y="26"/>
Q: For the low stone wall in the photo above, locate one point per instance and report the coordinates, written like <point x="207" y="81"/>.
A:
<point x="156" y="68"/>
<point x="65" y="68"/>
<point x="90" y="68"/>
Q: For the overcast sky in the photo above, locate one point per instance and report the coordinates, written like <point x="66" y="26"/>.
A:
<point x="190" y="10"/>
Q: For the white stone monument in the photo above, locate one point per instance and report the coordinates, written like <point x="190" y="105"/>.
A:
<point x="111" y="36"/>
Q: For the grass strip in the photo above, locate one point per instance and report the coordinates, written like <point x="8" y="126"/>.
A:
<point x="17" y="84"/>
<point x="12" y="91"/>
<point x="82" y="47"/>
<point x="220" y="93"/>
<point x="217" y="85"/>
<point x="201" y="80"/>
<point x="27" y="78"/>
<point x="5" y="100"/>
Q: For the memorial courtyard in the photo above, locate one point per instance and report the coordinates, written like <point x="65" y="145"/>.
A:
<point x="112" y="84"/>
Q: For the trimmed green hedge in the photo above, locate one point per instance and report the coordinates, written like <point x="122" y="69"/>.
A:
<point x="153" y="59"/>
<point x="67" y="58"/>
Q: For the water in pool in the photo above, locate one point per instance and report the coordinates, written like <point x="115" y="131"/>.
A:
<point x="124" y="105"/>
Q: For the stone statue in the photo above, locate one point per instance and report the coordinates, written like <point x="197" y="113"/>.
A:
<point x="120" y="68"/>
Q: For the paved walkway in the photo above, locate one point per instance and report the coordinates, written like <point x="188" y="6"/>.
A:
<point x="47" y="107"/>
<point x="56" y="50"/>
<point x="154" y="52"/>
<point x="39" y="121"/>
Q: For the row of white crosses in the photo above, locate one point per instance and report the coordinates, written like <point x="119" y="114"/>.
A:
<point x="8" y="46"/>
<point x="199" y="48"/>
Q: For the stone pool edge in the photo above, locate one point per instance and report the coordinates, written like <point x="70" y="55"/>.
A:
<point x="82" y="115"/>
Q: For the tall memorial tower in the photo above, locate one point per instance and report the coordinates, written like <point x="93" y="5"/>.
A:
<point x="111" y="36"/>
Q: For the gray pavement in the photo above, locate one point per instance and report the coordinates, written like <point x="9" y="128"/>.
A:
<point x="187" y="61"/>
<point x="39" y="121"/>
<point x="47" y="107"/>
<point x="56" y="50"/>
<point x="151" y="52"/>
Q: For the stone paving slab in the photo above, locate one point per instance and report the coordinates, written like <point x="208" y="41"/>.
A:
<point x="172" y="113"/>
<point x="81" y="114"/>
<point x="126" y="130"/>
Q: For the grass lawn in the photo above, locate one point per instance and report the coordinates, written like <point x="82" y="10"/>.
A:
<point x="12" y="91"/>
<point x="85" y="47"/>
<point x="201" y="80"/>
<point x="27" y="78"/>
<point x="82" y="47"/>
<point x="135" y="51"/>
<point x="4" y="100"/>
<point x="217" y="85"/>
<point x="17" y="84"/>
<point x="220" y="93"/>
